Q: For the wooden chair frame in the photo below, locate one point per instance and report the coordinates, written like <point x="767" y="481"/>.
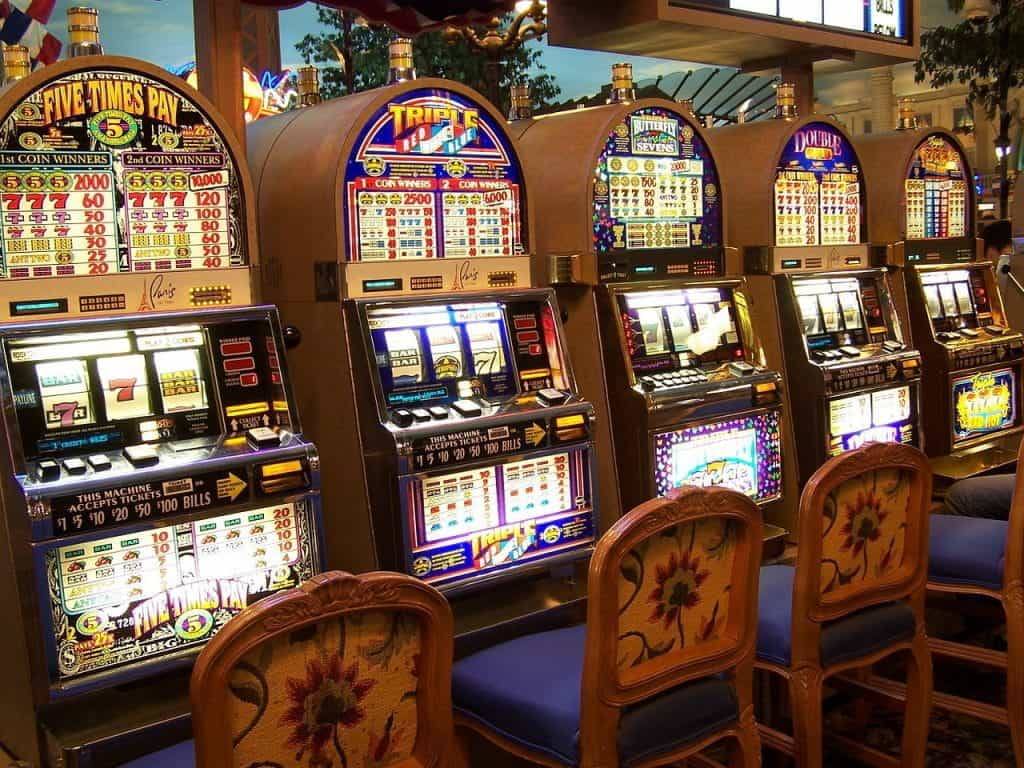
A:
<point x="324" y="597"/>
<point x="604" y="693"/>
<point x="1011" y="598"/>
<point x="805" y="675"/>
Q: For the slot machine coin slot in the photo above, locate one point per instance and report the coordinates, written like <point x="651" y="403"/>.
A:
<point x="141" y="455"/>
<point x="647" y="384"/>
<point x="995" y="330"/>
<point x="438" y="412"/>
<point x="99" y="462"/>
<point x="402" y="418"/>
<point x="741" y="369"/>
<point x="47" y="470"/>
<point x="466" y="408"/>
<point x="551" y="396"/>
<point x="969" y="333"/>
<point x="948" y="335"/>
<point x="262" y="437"/>
<point x="421" y="414"/>
<point x="849" y="351"/>
<point x="891" y="346"/>
<point x="74" y="466"/>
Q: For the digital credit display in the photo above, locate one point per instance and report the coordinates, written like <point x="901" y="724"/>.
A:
<point x="818" y="189"/>
<point x="984" y="403"/>
<point x="656" y="186"/>
<point x="882" y="18"/>
<point x="743" y="454"/>
<point x="882" y="416"/>
<point x="147" y="593"/>
<point x="428" y="353"/>
<point x="98" y="391"/>
<point x="479" y="520"/>
<point x="937" y="191"/>
<point x="108" y="171"/>
<point x="433" y="176"/>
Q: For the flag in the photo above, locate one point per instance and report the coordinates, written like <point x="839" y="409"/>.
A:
<point x="23" y="22"/>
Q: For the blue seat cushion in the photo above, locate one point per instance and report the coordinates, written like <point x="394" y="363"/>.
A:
<point x="851" y="637"/>
<point x="181" y="755"/>
<point x="967" y="550"/>
<point x="528" y="691"/>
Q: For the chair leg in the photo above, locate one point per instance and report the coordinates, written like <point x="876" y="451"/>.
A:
<point x="805" y="686"/>
<point x="919" y="704"/>
<point x="1013" y="603"/>
<point x="747" y="750"/>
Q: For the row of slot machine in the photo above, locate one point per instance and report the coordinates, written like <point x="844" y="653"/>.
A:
<point x="712" y="322"/>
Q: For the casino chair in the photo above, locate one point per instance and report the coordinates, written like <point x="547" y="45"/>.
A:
<point x="663" y="666"/>
<point x="979" y="557"/>
<point x="345" y="670"/>
<point x="854" y="597"/>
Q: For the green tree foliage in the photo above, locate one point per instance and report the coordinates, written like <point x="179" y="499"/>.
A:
<point x="363" y="49"/>
<point x="987" y="55"/>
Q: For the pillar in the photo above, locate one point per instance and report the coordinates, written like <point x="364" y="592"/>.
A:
<point x="883" y="102"/>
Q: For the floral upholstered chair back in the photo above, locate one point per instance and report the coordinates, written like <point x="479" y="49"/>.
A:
<point x="673" y="593"/>
<point x="344" y="672"/>
<point x="864" y="528"/>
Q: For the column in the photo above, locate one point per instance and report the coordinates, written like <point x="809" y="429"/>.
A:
<point x="883" y="102"/>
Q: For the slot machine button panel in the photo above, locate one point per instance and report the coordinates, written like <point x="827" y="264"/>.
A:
<point x="438" y="412"/>
<point x="949" y="335"/>
<point x="99" y="462"/>
<point x="969" y="333"/>
<point x="141" y="455"/>
<point x="403" y="418"/>
<point x="421" y="414"/>
<point x="551" y="396"/>
<point x="47" y="471"/>
<point x="466" y="408"/>
<point x="74" y="466"/>
<point x="995" y="330"/>
<point x="891" y="346"/>
<point x="741" y="369"/>
<point x="849" y="351"/>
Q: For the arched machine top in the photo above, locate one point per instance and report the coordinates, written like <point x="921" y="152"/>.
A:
<point x="330" y="177"/>
<point x="112" y="166"/>
<point x="805" y="171"/>
<point x="622" y="177"/>
<point x="923" y="174"/>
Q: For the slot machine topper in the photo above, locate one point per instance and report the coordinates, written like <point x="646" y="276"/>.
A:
<point x="851" y="374"/>
<point x="638" y="258"/>
<point x="155" y="479"/>
<point x="949" y="293"/>
<point x="440" y="388"/>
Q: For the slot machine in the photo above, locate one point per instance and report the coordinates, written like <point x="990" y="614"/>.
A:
<point x="657" y="308"/>
<point x="154" y="479"/>
<point x="971" y="384"/>
<point x="851" y="374"/>
<point x="440" y="391"/>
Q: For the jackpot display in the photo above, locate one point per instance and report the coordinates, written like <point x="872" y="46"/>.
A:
<point x="818" y="190"/>
<point x="494" y="451"/>
<point x="937" y="195"/>
<point x="432" y="177"/>
<point x="655" y="186"/>
<point x="111" y="172"/>
<point x="173" y="490"/>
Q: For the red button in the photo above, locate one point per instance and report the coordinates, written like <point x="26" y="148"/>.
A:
<point x="229" y="348"/>
<point x="249" y="379"/>
<point x="239" y="364"/>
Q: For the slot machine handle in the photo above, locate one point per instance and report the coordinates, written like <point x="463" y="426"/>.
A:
<point x="292" y="336"/>
<point x="1006" y="269"/>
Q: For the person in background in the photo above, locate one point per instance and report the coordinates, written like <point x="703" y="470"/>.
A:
<point x="998" y="237"/>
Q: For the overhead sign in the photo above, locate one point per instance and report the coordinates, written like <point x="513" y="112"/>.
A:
<point x="884" y="18"/>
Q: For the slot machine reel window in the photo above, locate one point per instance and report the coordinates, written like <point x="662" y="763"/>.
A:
<point x="162" y="590"/>
<point x="832" y="313"/>
<point x="443" y="352"/>
<point x="680" y="328"/>
<point x="743" y="454"/>
<point x="818" y="190"/>
<point x="97" y="391"/>
<point x="985" y="403"/>
<point x="656" y="186"/>
<point x="432" y="176"/>
<point x="937" y="191"/>
<point x="882" y="416"/>
<point x="950" y="296"/>
<point x="109" y="171"/>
